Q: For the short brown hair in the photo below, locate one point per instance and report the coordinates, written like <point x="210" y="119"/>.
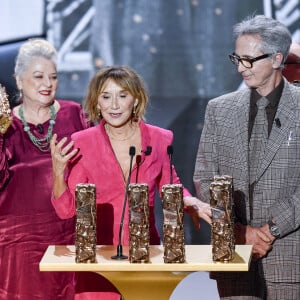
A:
<point x="125" y="77"/>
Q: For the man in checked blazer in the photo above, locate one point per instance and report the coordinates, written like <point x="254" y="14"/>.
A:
<point x="267" y="208"/>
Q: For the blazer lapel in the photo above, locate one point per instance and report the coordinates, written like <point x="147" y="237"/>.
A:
<point x="242" y="120"/>
<point x="279" y="134"/>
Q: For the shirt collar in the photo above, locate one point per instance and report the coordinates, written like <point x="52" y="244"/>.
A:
<point x="273" y="97"/>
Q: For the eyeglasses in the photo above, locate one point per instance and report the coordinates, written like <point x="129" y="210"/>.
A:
<point x="247" y="62"/>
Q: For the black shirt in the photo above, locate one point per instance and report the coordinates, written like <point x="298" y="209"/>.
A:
<point x="271" y="108"/>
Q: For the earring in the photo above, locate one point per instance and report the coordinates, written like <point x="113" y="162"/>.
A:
<point x="134" y="116"/>
<point x="99" y="114"/>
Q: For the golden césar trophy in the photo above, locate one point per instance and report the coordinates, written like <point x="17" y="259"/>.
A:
<point x="5" y="111"/>
<point x="139" y="237"/>
<point x="222" y="228"/>
<point x="86" y="217"/>
<point x="173" y="223"/>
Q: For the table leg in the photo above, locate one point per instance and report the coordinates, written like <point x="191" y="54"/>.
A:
<point x="145" y="285"/>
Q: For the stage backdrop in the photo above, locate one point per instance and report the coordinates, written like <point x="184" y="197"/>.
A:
<point x="180" y="47"/>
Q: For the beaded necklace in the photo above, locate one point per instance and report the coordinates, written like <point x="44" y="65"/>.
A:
<point x="41" y="143"/>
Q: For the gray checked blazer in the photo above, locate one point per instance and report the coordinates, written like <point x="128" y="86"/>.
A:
<point x="223" y="150"/>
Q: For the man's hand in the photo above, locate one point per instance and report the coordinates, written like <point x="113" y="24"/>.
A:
<point x="259" y="237"/>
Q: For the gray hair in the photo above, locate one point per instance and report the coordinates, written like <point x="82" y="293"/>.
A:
<point x="31" y="49"/>
<point x="275" y="37"/>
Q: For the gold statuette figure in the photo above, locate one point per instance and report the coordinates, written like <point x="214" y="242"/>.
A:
<point x="86" y="238"/>
<point x="222" y="228"/>
<point x="139" y="238"/>
<point x="5" y="112"/>
<point x="173" y="225"/>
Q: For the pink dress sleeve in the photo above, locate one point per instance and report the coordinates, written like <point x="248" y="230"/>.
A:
<point x="65" y="205"/>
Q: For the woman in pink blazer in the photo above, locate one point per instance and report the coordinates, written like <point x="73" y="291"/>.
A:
<point x="117" y="100"/>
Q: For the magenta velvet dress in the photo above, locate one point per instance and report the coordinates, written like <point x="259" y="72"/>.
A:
<point x="28" y="222"/>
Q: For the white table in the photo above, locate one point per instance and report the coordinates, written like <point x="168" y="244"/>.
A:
<point x="154" y="280"/>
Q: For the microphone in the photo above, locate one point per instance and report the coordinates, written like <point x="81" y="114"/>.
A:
<point x="120" y="247"/>
<point x="139" y="160"/>
<point x="170" y="153"/>
<point x="148" y="151"/>
<point x="277" y="122"/>
<point x="40" y="128"/>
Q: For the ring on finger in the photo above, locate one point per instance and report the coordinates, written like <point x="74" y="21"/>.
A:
<point x="61" y="154"/>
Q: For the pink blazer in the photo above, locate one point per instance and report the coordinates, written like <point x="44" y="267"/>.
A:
<point x="97" y="164"/>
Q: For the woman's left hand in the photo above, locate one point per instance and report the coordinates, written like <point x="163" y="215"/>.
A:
<point x="197" y="209"/>
<point x="61" y="154"/>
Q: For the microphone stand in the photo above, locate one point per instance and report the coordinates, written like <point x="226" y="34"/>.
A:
<point x="139" y="160"/>
<point x="119" y="254"/>
<point x="170" y="153"/>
